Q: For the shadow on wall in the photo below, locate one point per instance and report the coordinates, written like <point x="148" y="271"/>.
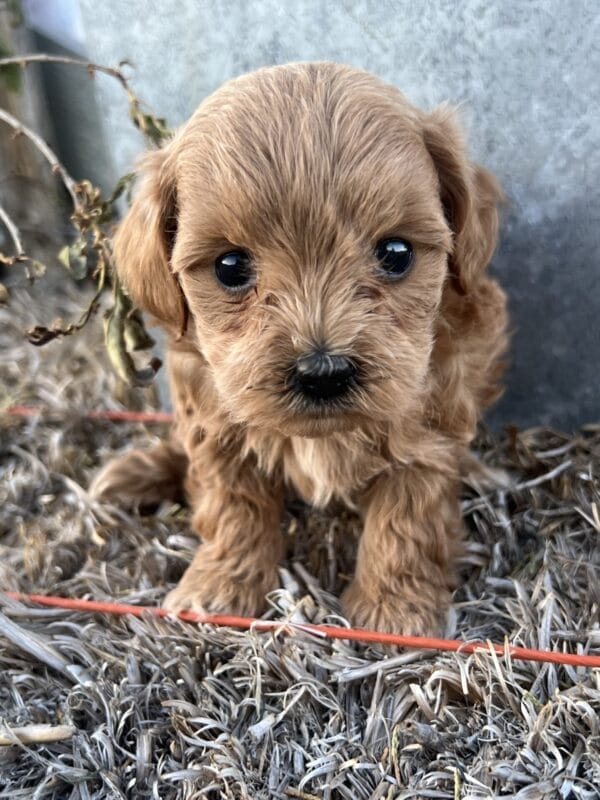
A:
<point x="551" y="271"/>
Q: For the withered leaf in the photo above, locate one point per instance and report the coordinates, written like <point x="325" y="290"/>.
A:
<point x="72" y="256"/>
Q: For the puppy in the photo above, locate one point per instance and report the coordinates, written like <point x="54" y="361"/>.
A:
<point x="316" y="249"/>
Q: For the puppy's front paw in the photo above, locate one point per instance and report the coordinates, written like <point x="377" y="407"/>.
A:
<point x="210" y="587"/>
<point x="184" y="598"/>
<point x="409" y="615"/>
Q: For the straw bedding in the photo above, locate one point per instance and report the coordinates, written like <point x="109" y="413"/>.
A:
<point x="162" y="709"/>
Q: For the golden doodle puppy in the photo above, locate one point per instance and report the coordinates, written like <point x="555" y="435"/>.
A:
<point x="316" y="249"/>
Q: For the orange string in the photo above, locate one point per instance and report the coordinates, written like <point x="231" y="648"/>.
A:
<point x="328" y="631"/>
<point x="115" y="416"/>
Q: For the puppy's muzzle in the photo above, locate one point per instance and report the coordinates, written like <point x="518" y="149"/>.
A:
<point x="321" y="376"/>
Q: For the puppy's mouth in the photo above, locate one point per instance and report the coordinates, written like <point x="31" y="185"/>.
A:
<point x="312" y="421"/>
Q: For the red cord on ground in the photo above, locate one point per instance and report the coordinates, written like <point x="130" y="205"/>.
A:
<point x="115" y="416"/>
<point x="327" y="631"/>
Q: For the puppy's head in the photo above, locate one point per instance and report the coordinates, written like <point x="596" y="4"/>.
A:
<point x="307" y="221"/>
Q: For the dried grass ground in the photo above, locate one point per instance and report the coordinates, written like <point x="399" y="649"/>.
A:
<point x="168" y="710"/>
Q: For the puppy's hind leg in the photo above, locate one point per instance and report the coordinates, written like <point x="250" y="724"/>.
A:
<point x="143" y="478"/>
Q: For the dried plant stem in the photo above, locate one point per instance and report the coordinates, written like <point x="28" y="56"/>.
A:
<point x="14" y="234"/>
<point x="153" y="128"/>
<point x="45" y="58"/>
<point x="35" y="734"/>
<point x="39" y="334"/>
<point x="46" y="151"/>
<point x="291" y="792"/>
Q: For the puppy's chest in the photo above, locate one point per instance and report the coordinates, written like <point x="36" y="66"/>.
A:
<point x="322" y="470"/>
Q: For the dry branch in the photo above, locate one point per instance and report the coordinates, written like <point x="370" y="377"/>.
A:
<point x="47" y="152"/>
<point x="92" y="216"/>
<point x="35" y="734"/>
<point x="14" y="234"/>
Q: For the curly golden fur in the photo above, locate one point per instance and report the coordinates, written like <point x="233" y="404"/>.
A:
<point x="306" y="167"/>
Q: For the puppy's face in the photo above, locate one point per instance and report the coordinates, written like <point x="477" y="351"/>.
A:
<point x="302" y="212"/>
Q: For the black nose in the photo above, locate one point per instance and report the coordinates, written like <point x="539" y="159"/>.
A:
<point x="323" y="376"/>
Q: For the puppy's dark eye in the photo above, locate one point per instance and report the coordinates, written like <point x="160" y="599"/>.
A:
<point x="234" y="270"/>
<point x="395" y="257"/>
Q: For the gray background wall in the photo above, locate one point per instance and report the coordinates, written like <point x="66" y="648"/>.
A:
<point x="526" y="75"/>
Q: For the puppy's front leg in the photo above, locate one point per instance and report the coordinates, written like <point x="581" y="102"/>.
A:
<point x="404" y="572"/>
<point x="237" y="512"/>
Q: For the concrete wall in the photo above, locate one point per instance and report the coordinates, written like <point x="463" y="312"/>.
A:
<point x="527" y="77"/>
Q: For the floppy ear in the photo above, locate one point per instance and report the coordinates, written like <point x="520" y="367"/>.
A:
<point x="470" y="196"/>
<point x="144" y="242"/>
